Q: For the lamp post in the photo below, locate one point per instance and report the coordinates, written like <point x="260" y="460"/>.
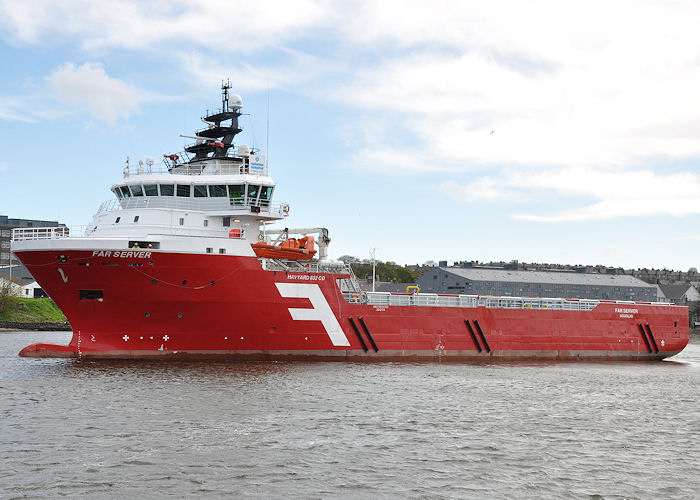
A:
<point x="374" y="265"/>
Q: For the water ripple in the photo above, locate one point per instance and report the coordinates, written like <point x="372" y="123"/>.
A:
<point x="336" y="430"/>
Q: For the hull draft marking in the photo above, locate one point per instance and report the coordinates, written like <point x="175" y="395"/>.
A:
<point x="319" y="311"/>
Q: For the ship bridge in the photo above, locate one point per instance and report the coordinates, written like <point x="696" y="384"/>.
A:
<point x="213" y="197"/>
<point x="210" y="176"/>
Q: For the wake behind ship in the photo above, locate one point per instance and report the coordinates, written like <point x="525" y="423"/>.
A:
<point x="184" y="262"/>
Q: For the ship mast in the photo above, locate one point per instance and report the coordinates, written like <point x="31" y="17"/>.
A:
<point x="215" y="140"/>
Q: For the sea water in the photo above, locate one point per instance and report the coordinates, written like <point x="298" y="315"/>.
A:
<point x="347" y="430"/>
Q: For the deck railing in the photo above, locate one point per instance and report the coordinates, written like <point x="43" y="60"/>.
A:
<point x="47" y="233"/>
<point x="471" y="301"/>
<point x="182" y="203"/>
<point x="212" y="166"/>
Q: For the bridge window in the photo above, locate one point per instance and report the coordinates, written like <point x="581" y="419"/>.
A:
<point x="125" y="191"/>
<point x="167" y="190"/>
<point x="199" y="191"/>
<point x="150" y="189"/>
<point x="137" y="190"/>
<point x="236" y="194"/>
<point x="184" y="190"/>
<point x="118" y="193"/>
<point x="253" y="191"/>
<point x="217" y="191"/>
<point x="265" y="195"/>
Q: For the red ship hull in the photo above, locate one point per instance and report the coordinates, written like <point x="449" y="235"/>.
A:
<point x="158" y="305"/>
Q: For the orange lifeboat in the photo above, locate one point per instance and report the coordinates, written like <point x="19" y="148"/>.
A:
<point x="291" y="249"/>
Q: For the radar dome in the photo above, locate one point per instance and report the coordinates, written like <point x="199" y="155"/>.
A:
<point x="235" y="101"/>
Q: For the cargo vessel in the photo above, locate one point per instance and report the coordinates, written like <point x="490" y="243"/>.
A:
<point x="185" y="263"/>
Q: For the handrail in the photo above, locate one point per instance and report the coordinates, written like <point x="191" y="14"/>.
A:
<point x="308" y="266"/>
<point x="223" y="204"/>
<point x="47" y="233"/>
<point x="210" y="166"/>
<point x="55" y="233"/>
<point x="472" y="301"/>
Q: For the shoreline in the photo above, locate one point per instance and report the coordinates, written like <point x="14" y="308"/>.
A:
<point x="40" y="326"/>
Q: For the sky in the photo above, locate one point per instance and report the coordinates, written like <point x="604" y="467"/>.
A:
<point x="560" y="132"/>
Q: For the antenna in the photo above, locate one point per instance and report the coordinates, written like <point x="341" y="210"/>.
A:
<point x="224" y="95"/>
<point x="372" y="252"/>
<point x="267" y="133"/>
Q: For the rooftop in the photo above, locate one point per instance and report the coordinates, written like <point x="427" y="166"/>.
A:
<point x="675" y="290"/>
<point x="480" y="274"/>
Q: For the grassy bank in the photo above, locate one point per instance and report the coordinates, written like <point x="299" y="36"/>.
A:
<point x="31" y="311"/>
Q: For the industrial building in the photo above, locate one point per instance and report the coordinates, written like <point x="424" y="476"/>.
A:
<point x="7" y="225"/>
<point x="505" y="282"/>
<point x="9" y="265"/>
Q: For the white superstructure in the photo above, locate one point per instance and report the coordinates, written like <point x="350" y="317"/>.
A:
<point x="207" y="199"/>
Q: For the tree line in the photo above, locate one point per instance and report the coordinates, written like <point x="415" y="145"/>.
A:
<point x="385" y="271"/>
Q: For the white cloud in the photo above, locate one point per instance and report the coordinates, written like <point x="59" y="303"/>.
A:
<point x="558" y="84"/>
<point x="484" y="189"/>
<point x="90" y="87"/>
<point x="609" y="251"/>
<point x="589" y="90"/>
<point x="13" y="109"/>
<point x="220" y="25"/>
<point x="292" y="73"/>
<point x="621" y="193"/>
